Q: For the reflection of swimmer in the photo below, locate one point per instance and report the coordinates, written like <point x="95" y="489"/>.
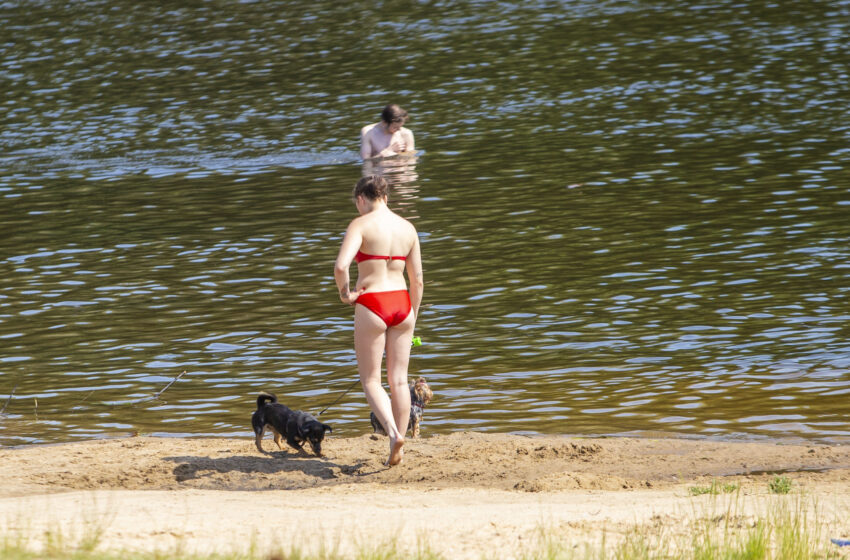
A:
<point x="400" y="174"/>
<point x="388" y="137"/>
<point x="396" y="171"/>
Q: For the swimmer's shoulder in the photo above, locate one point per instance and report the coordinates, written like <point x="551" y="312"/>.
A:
<point x="367" y="128"/>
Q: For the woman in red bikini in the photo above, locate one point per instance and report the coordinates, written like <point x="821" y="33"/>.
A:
<point x="384" y="245"/>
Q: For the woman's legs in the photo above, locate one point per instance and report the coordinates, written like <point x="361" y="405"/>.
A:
<point x="370" y="333"/>
<point x="398" y="358"/>
<point x="371" y="338"/>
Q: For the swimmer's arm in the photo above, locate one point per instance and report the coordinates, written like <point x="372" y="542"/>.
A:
<point x="350" y="245"/>
<point x="390" y="150"/>
<point x="413" y="264"/>
<point x="365" y="145"/>
<point x="408" y="141"/>
<point x="405" y="147"/>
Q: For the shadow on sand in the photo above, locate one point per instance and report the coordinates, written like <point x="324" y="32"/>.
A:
<point x="280" y="462"/>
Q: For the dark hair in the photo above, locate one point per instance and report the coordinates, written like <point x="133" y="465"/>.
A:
<point x="372" y="187"/>
<point x="393" y="113"/>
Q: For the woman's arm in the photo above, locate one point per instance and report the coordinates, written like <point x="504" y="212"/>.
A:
<point x="350" y="245"/>
<point x="415" y="277"/>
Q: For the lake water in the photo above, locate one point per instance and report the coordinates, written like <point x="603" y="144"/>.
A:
<point x="635" y="216"/>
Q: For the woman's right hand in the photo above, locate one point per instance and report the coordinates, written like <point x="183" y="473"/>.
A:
<point x="350" y="297"/>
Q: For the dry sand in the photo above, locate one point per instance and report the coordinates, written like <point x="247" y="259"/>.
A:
<point x="468" y="495"/>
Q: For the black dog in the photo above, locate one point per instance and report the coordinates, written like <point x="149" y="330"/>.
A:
<point x="297" y="427"/>
<point x="420" y="395"/>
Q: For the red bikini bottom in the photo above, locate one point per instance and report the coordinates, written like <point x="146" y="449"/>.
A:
<point x="393" y="306"/>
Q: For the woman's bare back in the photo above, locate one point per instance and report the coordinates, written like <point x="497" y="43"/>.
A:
<point x="384" y="234"/>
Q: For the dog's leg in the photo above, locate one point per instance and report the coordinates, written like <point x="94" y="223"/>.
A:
<point x="416" y="428"/>
<point x="277" y="439"/>
<point x="259" y="439"/>
<point x="376" y="426"/>
<point x="294" y="443"/>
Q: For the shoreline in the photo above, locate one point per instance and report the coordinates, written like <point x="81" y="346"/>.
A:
<point x="505" y="461"/>
<point x="465" y="493"/>
<point x="634" y="435"/>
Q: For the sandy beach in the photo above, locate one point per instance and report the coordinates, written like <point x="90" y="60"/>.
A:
<point x="466" y="494"/>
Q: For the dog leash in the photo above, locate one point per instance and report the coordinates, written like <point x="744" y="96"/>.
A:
<point x="340" y="397"/>
<point x="416" y="341"/>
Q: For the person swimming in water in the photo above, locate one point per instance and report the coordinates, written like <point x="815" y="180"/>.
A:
<point x="388" y="137"/>
<point x="384" y="245"/>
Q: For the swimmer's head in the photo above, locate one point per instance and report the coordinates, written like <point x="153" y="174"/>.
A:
<point x="371" y="187"/>
<point x="394" y="116"/>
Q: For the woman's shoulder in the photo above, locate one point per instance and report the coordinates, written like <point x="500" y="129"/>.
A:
<point x="356" y="224"/>
<point x="405" y="224"/>
<point x="388" y="222"/>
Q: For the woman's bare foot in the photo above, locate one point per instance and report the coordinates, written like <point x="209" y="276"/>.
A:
<point x="396" y="452"/>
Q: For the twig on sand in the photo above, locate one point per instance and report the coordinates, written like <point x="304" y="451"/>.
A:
<point x="3" y="411"/>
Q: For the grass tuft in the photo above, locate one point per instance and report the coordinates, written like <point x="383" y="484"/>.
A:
<point x="779" y="485"/>
<point x="714" y="488"/>
<point x="783" y="531"/>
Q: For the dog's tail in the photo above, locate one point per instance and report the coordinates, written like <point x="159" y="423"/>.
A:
<point x="261" y="400"/>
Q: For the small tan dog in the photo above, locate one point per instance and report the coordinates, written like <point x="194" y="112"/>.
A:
<point x="420" y="395"/>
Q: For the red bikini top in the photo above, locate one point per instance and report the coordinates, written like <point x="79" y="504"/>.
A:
<point x="361" y="256"/>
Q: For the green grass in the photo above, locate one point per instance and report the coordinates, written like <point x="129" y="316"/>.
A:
<point x="779" y="485"/>
<point x="786" y="529"/>
<point x="17" y="553"/>
<point x="55" y="546"/>
<point x="21" y="554"/>
<point x="714" y="488"/>
<point x="789" y="530"/>
<point x="782" y="529"/>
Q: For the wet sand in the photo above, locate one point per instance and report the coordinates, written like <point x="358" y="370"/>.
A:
<point x="465" y="494"/>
